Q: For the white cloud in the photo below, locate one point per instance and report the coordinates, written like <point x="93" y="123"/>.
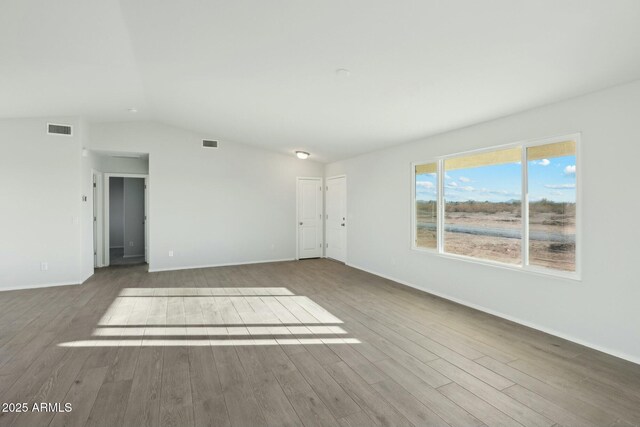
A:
<point x="464" y="179"/>
<point x="544" y="162"/>
<point x="425" y="184"/>
<point x="455" y="187"/>
<point x="570" y="170"/>
<point x="561" y="186"/>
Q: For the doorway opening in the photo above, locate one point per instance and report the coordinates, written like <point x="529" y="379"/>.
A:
<point x="126" y="234"/>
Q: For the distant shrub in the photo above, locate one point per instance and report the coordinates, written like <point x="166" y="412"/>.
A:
<point x="562" y="247"/>
<point x="486" y="207"/>
<point x="548" y="206"/>
<point x="429" y="208"/>
<point x="426" y="210"/>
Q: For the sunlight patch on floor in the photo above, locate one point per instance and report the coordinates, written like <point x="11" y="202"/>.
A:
<point x="217" y="331"/>
<point x="133" y="292"/>
<point x="140" y="317"/>
<point x="204" y="343"/>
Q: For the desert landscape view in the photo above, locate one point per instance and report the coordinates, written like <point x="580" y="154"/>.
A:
<point x="493" y="231"/>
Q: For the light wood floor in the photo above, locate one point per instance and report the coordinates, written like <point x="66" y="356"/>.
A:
<point x="311" y="343"/>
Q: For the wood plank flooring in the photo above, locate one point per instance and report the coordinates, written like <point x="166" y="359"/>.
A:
<point x="311" y="343"/>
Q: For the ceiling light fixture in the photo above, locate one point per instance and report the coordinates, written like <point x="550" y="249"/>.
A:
<point x="132" y="110"/>
<point x="343" y="73"/>
<point x="302" y="155"/>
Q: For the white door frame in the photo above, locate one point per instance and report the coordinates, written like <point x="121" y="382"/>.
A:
<point x="98" y="211"/>
<point x="146" y="220"/>
<point x="298" y="179"/>
<point x="346" y="221"/>
<point x="106" y="211"/>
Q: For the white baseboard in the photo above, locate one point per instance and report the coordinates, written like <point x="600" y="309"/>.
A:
<point x="612" y="352"/>
<point x="38" y="285"/>
<point x="47" y="285"/>
<point x="192" y="267"/>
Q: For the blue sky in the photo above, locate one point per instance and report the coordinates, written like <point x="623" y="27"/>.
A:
<point x="553" y="179"/>
<point x="426" y="186"/>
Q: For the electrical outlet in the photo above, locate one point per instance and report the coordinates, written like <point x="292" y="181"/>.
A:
<point x="44" y="266"/>
<point x="170" y="253"/>
<point x="130" y="243"/>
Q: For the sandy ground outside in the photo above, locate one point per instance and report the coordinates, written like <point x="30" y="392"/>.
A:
<point x="506" y="250"/>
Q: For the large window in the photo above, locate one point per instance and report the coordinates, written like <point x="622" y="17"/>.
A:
<point x="426" y="190"/>
<point x="514" y="206"/>
<point x="482" y="195"/>
<point x="552" y="205"/>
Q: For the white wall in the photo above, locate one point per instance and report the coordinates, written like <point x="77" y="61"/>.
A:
<point x="116" y="212"/>
<point x="110" y="164"/>
<point x="234" y="204"/>
<point x="89" y="163"/>
<point x="133" y="216"/>
<point x="40" y="204"/>
<point x="231" y="205"/>
<point x="603" y="310"/>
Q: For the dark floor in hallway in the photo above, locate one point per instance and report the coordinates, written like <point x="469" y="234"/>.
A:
<point x="117" y="257"/>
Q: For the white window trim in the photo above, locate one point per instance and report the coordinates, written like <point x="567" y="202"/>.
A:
<point x="524" y="266"/>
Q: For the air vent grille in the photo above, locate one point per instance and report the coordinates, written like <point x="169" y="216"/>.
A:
<point x="56" y="129"/>
<point x="207" y="143"/>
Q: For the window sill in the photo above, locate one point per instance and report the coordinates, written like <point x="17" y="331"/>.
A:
<point x="538" y="271"/>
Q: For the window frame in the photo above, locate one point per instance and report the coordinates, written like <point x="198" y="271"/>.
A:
<point x="524" y="263"/>
<point x="414" y="234"/>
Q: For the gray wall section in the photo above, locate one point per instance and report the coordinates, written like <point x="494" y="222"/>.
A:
<point x="39" y="170"/>
<point x="116" y="212"/>
<point x="600" y="311"/>
<point x="133" y="216"/>
<point x="187" y="183"/>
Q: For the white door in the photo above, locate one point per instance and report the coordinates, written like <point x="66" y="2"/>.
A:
<point x="337" y="218"/>
<point x="309" y="217"/>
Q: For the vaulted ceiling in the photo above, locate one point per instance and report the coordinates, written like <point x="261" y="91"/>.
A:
<point x="264" y="72"/>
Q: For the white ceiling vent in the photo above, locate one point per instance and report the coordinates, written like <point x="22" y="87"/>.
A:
<point x="58" y="129"/>
<point x="208" y="143"/>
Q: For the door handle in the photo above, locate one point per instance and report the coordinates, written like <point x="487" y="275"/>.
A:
<point x="342" y="224"/>
<point x="300" y="223"/>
